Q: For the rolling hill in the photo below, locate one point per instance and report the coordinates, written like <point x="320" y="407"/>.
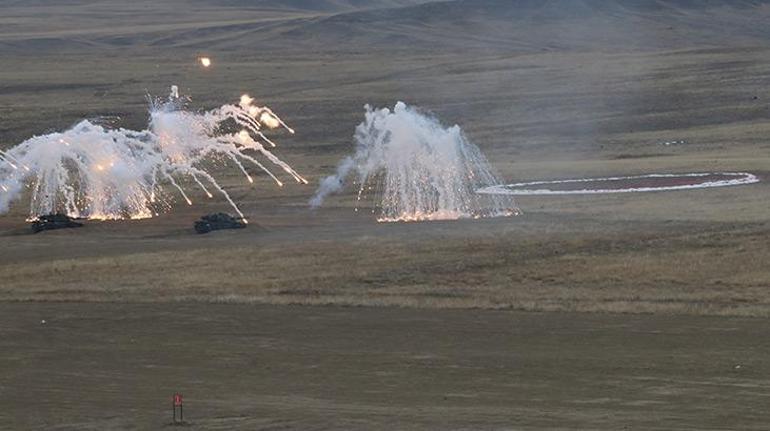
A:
<point x="355" y="25"/>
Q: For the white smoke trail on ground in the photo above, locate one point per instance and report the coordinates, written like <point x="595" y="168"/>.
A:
<point x="93" y="172"/>
<point x="416" y="169"/>
<point x="625" y="184"/>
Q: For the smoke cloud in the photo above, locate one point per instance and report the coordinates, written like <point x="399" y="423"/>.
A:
<point x="94" y="172"/>
<point x="417" y="169"/>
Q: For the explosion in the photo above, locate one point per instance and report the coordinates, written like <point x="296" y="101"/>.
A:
<point x="416" y="169"/>
<point x="93" y="172"/>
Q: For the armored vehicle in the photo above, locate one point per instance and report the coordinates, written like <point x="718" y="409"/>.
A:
<point x="53" y="221"/>
<point x="218" y="221"/>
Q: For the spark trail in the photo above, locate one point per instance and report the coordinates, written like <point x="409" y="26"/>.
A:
<point x="90" y="171"/>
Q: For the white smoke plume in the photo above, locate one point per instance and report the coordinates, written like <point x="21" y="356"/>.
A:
<point x="416" y="169"/>
<point x="333" y="183"/>
<point x="93" y="172"/>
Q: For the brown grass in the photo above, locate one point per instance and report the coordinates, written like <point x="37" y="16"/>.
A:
<point x="706" y="272"/>
<point x="556" y="114"/>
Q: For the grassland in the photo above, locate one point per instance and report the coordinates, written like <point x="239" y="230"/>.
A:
<point x="651" y="307"/>
<point x="700" y="252"/>
<point x="115" y="366"/>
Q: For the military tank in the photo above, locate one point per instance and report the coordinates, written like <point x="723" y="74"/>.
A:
<point x="218" y="221"/>
<point x="54" y="221"/>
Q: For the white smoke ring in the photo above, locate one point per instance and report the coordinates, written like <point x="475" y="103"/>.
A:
<point x="518" y="189"/>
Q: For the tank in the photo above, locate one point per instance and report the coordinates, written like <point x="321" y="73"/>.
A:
<point x="54" y="221"/>
<point x="218" y="221"/>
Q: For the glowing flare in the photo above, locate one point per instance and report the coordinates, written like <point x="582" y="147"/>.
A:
<point x="269" y="121"/>
<point x="246" y="101"/>
<point x="244" y="136"/>
<point x="205" y="61"/>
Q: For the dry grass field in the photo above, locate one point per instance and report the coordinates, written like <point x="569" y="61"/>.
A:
<point x="554" y="89"/>
<point x="115" y="366"/>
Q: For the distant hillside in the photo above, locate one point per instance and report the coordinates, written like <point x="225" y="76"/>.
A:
<point x="546" y="24"/>
<point x="359" y="25"/>
<point x="327" y="6"/>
